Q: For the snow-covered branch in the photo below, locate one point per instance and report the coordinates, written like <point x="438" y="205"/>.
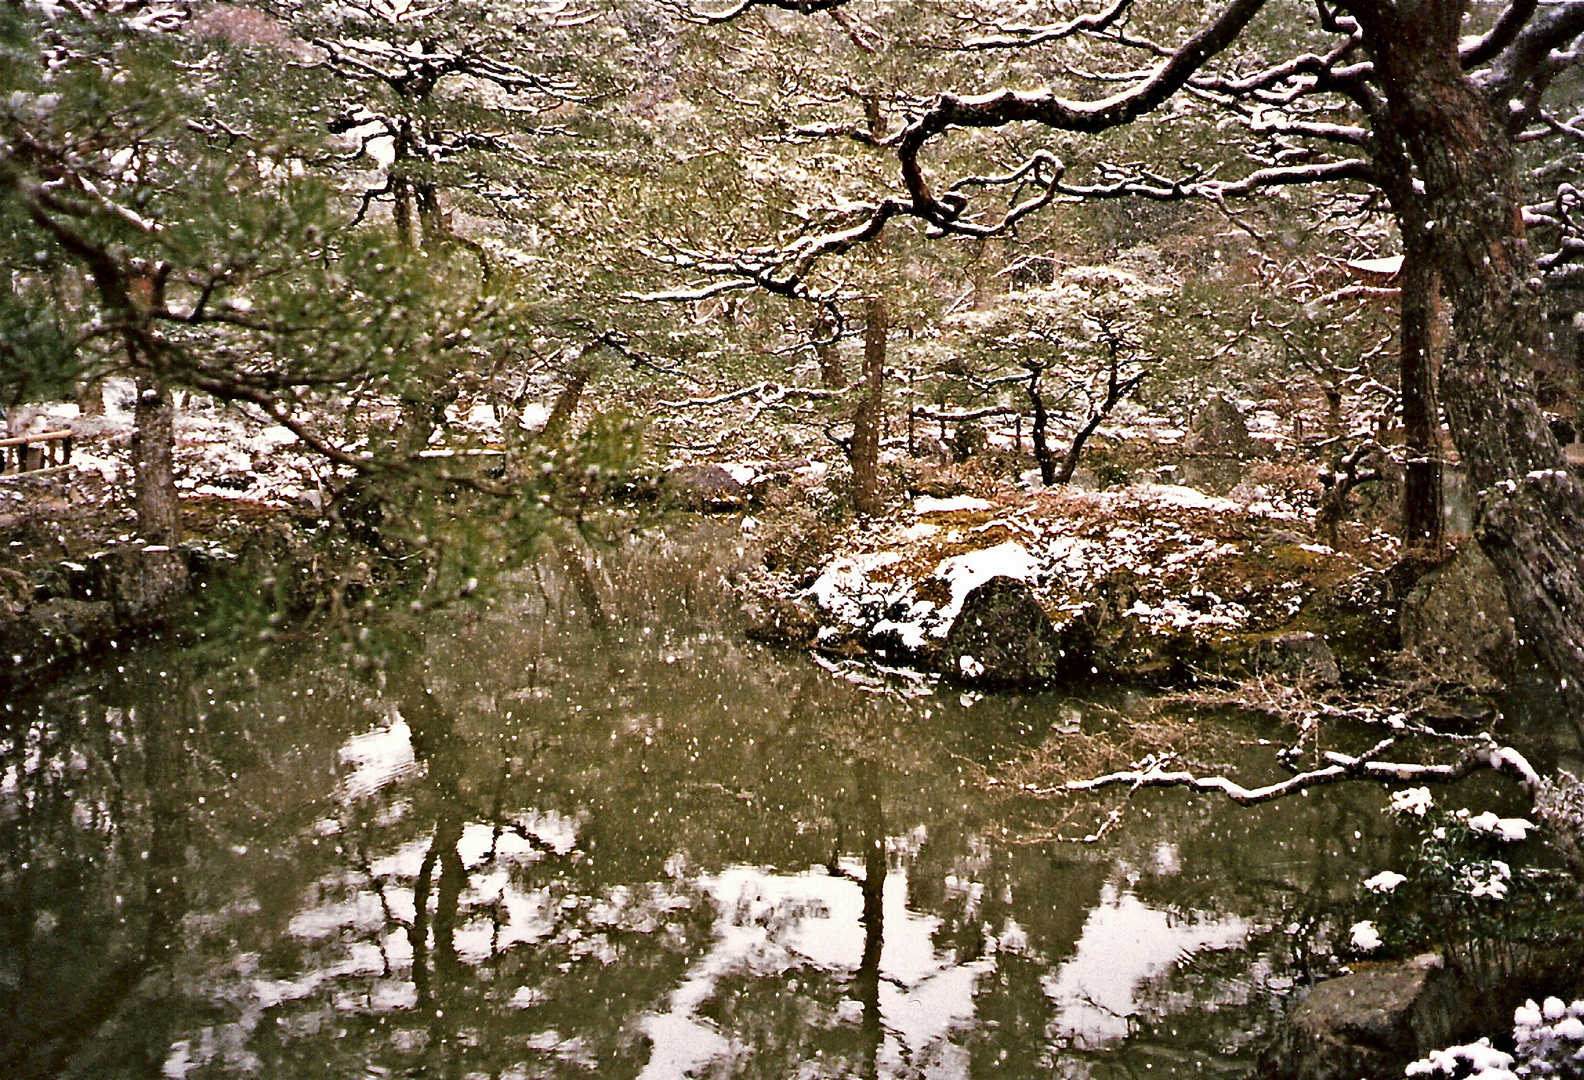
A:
<point x="1014" y="37"/>
<point x="1341" y="767"/>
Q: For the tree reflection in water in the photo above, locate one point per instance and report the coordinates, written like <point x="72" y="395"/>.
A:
<point x="593" y="832"/>
<point x="95" y="845"/>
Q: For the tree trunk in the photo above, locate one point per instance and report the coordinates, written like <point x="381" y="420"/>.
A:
<point x="1533" y="510"/>
<point x="832" y="377"/>
<point x="1042" y="451"/>
<point x="434" y="223"/>
<point x="153" y="474"/>
<point x="1069" y="463"/>
<point x="866" y="418"/>
<point x="1421" y="507"/>
<point x="566" y="401"/>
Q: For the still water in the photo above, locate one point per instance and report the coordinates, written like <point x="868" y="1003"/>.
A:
<point x="590" y="830"/>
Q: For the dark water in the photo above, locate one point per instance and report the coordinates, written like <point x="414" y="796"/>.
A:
<point x="594" y="832"/>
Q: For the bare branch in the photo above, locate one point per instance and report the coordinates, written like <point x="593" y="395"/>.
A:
<point x="767" y="392"/>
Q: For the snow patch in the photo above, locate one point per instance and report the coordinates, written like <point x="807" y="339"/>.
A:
<point x="1384" y="882"/>
<point x="927" y="505"/>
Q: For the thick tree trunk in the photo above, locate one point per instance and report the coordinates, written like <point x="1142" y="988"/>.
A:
<point x="153" y="473"/>
<point x="867" y="416"/>
<point x="1421" y="506"/>
<point x="1533" y="510"/>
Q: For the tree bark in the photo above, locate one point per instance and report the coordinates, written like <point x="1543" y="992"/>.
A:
<point x="867" y="416"/>
<point x="1069" y="463"/>
<point x="1421" y="506"/>
<point x="1532" y="517"/>
<point x="153" y="472"/>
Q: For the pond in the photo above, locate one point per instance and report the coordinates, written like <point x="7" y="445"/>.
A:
<point x="591" y="830"/>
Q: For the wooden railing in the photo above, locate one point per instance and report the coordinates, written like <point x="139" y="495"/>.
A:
<point x="40" y="451"/>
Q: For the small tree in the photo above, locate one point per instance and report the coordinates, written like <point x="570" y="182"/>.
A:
<point x="1066" y="353"/>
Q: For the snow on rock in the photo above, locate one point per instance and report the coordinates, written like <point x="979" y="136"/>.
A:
<point x="1186" y="497"/>
<point x="482" y="415"/>
<point x="845" y="590"/>
<point x="964" y="573"/>
<point x="533" y="416"/>
<point x="1150" y="565"/>
<point x="743" y="474"/>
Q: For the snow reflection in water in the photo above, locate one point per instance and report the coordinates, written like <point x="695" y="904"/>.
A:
<point x="1125" y="942"/>
<point x="774" y="924"/>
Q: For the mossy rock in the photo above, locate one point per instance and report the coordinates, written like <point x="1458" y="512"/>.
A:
<point x="1457" y="621"/>
<point x="1003" y="638"/>
<point x="1358" y="617"/>
<point x="16" y="591"/>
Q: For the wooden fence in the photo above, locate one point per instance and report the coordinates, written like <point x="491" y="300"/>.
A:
<point x="40" y="451"/>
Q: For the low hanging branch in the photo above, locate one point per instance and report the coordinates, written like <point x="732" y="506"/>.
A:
<point x="1342" y="767"/>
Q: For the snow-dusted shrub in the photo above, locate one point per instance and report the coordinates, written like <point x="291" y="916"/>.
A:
<point x="1548" y="1041"/>
<point x="1475" y="886"/>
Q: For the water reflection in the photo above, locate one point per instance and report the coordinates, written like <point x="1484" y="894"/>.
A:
<point x="593" y="832"/>
<point x="1124" y="943"/>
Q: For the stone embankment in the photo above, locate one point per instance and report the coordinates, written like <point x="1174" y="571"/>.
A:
<point x="85" y="605"/>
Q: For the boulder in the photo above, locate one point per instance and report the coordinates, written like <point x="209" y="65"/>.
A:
<point x="1372" y="1022"/>
<point x="1216" y="444"/>
<point x="1217" y="427"/>
<point x="16" y="591"/>
<point x="1357" y="616"/>
<point x="1002" y="637"/>
<point x="49" y="631"/>
<point x="1457" y="621"/>
<point x="141" y="583"/>
<point x="1299" y="658"/>
<point x="705" y="487"/>
<point x="783" y="620"/>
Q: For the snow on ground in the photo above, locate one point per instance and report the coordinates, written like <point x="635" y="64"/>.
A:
<point x="927" y="505"/>
<point x="222" y="451"/>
